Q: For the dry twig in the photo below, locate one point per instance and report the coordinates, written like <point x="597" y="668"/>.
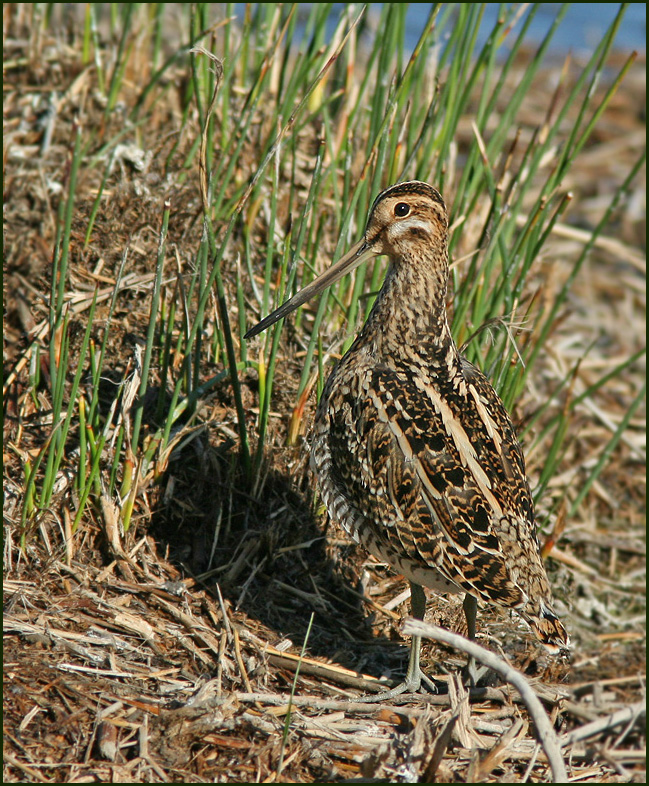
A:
<point x="547" y="735"/>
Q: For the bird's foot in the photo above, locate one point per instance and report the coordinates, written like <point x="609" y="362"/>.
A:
<point x="474" y="676"/>
<point x="412" y="684"/>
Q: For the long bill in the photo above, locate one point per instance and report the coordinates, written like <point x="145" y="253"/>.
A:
<point x="350" y="261"/>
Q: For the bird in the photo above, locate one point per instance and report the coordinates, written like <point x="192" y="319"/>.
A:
<point x="414" y="452"/>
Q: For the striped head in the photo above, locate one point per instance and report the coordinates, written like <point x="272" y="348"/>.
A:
<point x="408" y="220"/>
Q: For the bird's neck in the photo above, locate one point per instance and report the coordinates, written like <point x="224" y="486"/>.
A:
<point x="410" y="310"/>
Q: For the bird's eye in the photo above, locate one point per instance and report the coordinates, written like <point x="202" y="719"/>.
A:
<point x="401" y="209"/>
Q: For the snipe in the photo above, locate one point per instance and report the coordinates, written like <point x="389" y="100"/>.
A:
<point x="414" y="451"/>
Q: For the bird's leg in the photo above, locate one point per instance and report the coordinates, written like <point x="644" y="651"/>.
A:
<point x="414" y="675"/>
<point x="471" y="672"/>
<point x="470" y="606"/>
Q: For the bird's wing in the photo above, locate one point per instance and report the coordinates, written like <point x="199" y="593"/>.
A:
<point x="439" y="473"/>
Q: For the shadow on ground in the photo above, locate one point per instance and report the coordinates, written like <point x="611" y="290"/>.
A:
<point x="272" y="557"/>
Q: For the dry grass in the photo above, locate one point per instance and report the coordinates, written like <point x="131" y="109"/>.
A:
<point x="169" y="654"/>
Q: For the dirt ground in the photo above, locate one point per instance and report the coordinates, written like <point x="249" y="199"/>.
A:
<point x="173" y="659"/>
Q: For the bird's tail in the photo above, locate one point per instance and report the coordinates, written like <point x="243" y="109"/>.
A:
<point x="549" y="628"/>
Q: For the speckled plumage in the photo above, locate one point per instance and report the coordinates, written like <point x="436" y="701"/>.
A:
<point x="414" y="452"/>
